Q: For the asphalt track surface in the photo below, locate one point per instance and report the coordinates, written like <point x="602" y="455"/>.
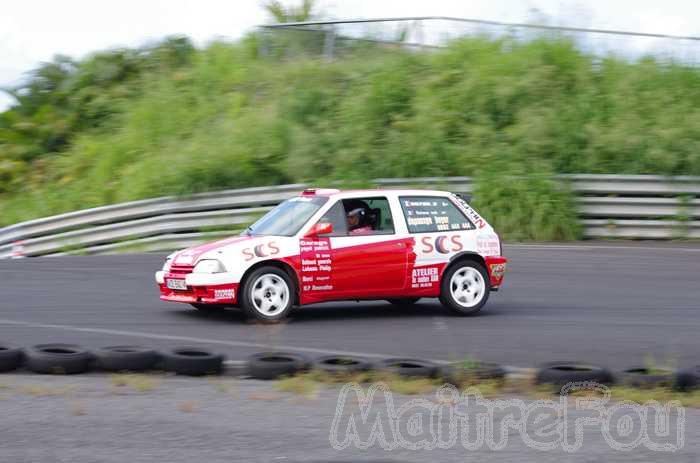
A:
<point x="611" y="304"/>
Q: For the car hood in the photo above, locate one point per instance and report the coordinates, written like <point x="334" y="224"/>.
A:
<point x="191" y="256"/>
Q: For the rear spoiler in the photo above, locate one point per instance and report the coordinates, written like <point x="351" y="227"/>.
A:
<point x="466" y="197"/>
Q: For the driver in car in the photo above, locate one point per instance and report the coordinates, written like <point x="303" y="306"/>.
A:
<point x="357" y="222"/>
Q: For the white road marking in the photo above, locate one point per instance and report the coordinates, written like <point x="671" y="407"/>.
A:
<point x="170" y="337"/>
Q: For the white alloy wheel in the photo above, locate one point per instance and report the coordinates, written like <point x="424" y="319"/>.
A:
<point x="467" y="287"/>
<point x="269" y="294"/>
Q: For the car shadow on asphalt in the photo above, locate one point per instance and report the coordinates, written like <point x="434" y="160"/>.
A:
<point x="344" y="310"/>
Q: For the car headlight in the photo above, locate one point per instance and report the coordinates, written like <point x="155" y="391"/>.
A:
<point x="166" y="265"/>
<point x="209" y="266"/>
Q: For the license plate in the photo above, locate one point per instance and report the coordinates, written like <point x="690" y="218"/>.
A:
<point x="176" y="284"/>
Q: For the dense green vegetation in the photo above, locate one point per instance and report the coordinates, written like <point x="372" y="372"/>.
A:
<point x="170" y="119"/>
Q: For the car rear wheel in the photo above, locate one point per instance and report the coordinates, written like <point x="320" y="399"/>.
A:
<point x="267" y="294"/>
<point x="464" y="288"/>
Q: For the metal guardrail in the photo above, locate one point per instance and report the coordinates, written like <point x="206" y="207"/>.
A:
<point x="130" y="222"/>
<point x="613" y="206"/>
<point x="619" y="206"/>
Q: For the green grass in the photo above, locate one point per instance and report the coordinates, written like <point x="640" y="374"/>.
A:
<point x="509" y="114"/>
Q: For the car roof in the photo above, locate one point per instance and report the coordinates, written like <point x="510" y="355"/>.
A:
<point x="346" y="194"/>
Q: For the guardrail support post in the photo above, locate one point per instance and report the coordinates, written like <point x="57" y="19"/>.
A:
<point x="329" y="44"/>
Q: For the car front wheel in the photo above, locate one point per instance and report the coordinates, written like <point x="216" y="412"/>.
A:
<point x="267" y="294"/>
<point x="464" y="288"/>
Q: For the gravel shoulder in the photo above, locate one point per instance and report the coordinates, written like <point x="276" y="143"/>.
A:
<point x="103" y="418"/>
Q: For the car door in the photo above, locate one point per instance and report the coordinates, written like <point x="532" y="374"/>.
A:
<point x="369" y="264"/>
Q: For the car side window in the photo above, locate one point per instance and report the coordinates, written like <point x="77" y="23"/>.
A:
<point x="360" y="216"/>
<point x="427" y="214"/>
<point x="368" y="216"/>
<point x="336" y="216"/>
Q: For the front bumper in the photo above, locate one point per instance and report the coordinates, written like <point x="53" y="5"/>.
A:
<point x="202" y="288"/>
<point x="496" y="266"/>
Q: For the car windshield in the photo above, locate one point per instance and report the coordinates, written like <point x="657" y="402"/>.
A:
<point x="288" y="217"/>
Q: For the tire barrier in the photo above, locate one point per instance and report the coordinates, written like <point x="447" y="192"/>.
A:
<point x="274" y="365"/>
<point x="687" y="380"/>
<point x="560" y="373"/>
<point x="126" y="358"/>
<point x="193" y="361"/>
<point x="460" y="373"/>
<point x="410" y="368"/>
<point x="10" y="358"/>
<point x="342" y="364"/>
<point x="644" y="378"/>
<point x="60" y="359"/>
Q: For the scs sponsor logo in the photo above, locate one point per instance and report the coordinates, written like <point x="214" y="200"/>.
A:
<point x="442" y="244"/>
<point x="261" y="250"/>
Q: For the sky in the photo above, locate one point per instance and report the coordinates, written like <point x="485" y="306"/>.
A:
<point x="33" y="31"/>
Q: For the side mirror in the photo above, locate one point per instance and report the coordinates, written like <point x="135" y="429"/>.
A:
<point x="321" y="228"/>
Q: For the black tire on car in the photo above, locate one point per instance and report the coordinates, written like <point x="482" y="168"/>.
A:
<point x="342" y="364"/>
<point x="66" y="359"/>
<point x="10" y="358"/>
<point x="459" y="373"/>
<point x="192" y="361"/>
<point x="126" y="358"/>
<point x="643" y="378"/>
<point x="411" y="368"/>
<point x="208" y="308"/>
<point x="268" y="294"/>
<point x="405" y="301"/>
<point x="273" y="365"/>
<point x="465" y="287"/>
<point x="560" y="373"/>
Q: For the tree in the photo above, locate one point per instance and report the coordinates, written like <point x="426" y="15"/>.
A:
<point x="282" y="14"/>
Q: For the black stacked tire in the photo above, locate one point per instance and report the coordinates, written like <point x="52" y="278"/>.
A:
<point x="687" y="379"/>
<point x="457" y="374"/>
<point x="10" y="358"/>
<point x="192" y="361"/>
<point x="126" y="358"/>
<point x="560" y="373"/>
<point x="411" y="368"/>
<point x="342" y="364"/>
<point x="643" y="378"/>
<point x="273" y="365"/>
<point x="66" y="359"/>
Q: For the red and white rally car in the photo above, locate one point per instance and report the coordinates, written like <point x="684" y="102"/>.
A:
<point x="327" y="245"/>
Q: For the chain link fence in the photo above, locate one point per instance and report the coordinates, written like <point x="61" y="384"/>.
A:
<point x="333" y="39"/>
